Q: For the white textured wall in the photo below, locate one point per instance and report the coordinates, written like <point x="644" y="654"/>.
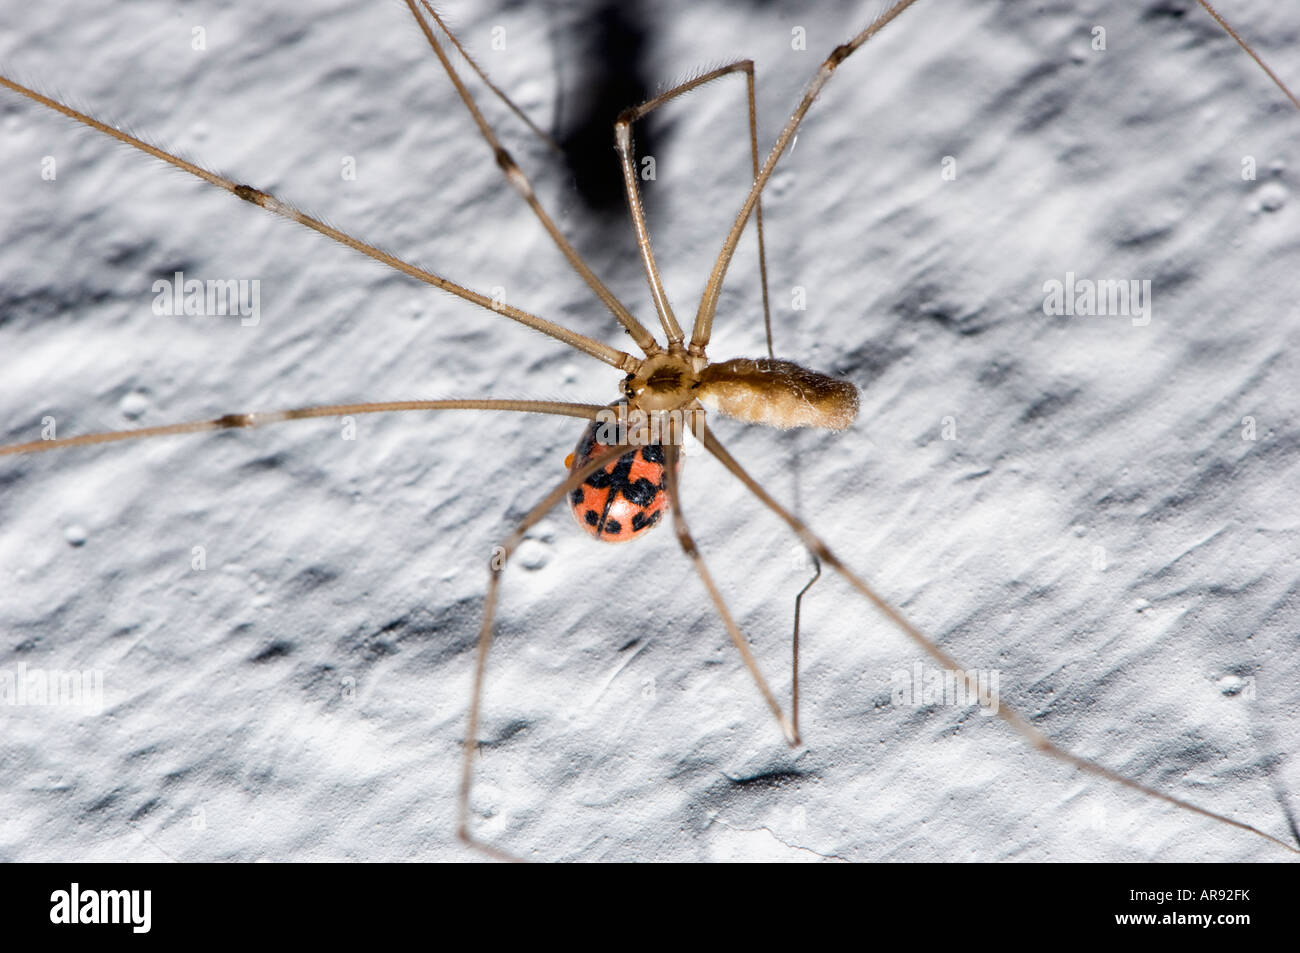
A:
<point x="334" y="563"/>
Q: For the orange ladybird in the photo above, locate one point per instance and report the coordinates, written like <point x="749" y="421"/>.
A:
<point x="625" y="498"/>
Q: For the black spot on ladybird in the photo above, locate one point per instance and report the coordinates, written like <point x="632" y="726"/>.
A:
<point x="640" y="521"/>
<point x="642" y="492"/>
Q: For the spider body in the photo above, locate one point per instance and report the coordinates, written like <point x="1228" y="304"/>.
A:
<point x="666" y="396"/>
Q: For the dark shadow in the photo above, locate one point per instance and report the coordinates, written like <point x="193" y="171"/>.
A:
<point x="603" y="71"/>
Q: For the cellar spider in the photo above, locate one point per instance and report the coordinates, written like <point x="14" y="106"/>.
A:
<point x="994" y="565"/>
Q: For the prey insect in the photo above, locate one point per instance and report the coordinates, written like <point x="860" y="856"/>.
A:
<point x="679" y="370"/>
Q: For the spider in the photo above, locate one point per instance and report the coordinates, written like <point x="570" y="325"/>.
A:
<point x="373" y="649"/>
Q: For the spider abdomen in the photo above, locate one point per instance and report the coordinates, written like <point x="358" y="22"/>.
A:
<point x="777" y="394"/>
<point x="623" y="499"/>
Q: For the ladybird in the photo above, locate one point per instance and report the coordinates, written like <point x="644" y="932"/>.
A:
<point x="625" y="498"/>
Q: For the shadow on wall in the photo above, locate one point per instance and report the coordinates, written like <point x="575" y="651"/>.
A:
<point x="602" y="70"/>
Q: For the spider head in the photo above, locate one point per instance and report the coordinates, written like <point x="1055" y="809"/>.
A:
<point x="664" y="382"/>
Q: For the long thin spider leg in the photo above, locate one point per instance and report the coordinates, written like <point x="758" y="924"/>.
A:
<point x="623" y="143"/>
<point x="519" y="182"/>
<point x="1227" y="28"/>
<point x="794" y="667"/>
<point x="1008" y="714"/>
<point x="262" y="418"/>
<point x="709" y="300"/>
<point x="671" y="451"/>
<point x="496" y="566"/>
<point x="482" y="74"/>
<point x="597" y="349"/>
